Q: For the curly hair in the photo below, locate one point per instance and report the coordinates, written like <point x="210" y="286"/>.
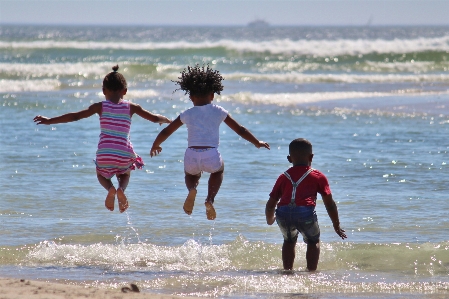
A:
<point x="198" y="81"/>
<point x="114" y="80"/>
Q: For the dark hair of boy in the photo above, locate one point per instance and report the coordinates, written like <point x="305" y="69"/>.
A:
<point x="300" y="146"/>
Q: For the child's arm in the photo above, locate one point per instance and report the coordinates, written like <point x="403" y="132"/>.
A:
<point x="156" y="118"/>
<point x="269" y="210"/>
<point x="244" y="133"/>
<point x="332" y="211"/>
<point x="69" y="117"/>
<point x="163" y="135"/>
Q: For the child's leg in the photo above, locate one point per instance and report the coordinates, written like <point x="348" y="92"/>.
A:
<point x="192" y="180"/>
<point x="110" y="198"/>
<point x="312" y="256"/>
<point x="191" y="184"/>
<point x="214" y="185"/>
<point x="123" y="180"/>
<point x="288" y="254"/>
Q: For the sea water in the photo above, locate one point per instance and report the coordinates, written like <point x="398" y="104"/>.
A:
<point x="374" y="101"/>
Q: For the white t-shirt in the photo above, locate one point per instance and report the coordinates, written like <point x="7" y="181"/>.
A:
<point x="203" y="124"/>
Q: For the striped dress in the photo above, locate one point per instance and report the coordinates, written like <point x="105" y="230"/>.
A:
<point x="115" y="154"/>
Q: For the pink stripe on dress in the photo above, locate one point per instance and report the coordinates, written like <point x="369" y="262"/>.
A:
<point x="115" y="154"/>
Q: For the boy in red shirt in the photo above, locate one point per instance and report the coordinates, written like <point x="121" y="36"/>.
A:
<point x="295" y="193"/>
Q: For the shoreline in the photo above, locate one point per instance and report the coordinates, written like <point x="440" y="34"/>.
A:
<point x="16" y="288"/>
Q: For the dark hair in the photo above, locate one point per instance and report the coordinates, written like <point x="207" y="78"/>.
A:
<point x="114" y="80"/>
<point x="300" y="146"/>
<point x="200" y="80"/>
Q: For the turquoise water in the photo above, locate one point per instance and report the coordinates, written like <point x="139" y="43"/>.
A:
<point x="373" y="101"/>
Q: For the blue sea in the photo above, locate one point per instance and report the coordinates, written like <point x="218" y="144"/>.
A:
<point x="374" y="101"/>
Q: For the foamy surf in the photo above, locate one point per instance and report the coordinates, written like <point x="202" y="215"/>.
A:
<point x="317" y="47"/>
<point x="29" y="85"/>
<point x="243" y="267"/>
<point x="54" y="69"/>
<point x="136" y="94"/>
<point x="425" y="259"/>
<point x="291" y="99"/>
<point x="301" y="78"/>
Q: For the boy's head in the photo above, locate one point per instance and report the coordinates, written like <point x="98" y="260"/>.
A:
<point x="115" y="81"/>
<point x="300" y="152"/>
<point x="200" y="81"/>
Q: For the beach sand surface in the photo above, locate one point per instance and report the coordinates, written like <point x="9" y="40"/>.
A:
<point x="13" y="288"/>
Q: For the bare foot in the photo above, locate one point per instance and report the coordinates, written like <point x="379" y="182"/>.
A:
<point x="210" y="211"/>
<point x="110" y="199"/>
<point x="190" y="201"/>
<point x="122" y="200"/>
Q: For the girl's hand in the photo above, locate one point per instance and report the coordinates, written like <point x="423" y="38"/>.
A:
<point x="165" y="121"/>
<point x="41" y="120"/>
<point x="155" y="150"/>
<point x="262" y="144"/>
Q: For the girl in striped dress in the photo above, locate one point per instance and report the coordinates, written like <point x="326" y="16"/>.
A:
<point x="115" y="154"/>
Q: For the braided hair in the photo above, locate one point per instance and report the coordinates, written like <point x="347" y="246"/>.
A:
<point x="114" y="80"/>
<point x="199" y="81"/>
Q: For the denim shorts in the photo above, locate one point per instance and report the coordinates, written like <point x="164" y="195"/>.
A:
<point x="295" y="220"/>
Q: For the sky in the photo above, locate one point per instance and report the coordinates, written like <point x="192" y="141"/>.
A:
<point x="225" y="12"/>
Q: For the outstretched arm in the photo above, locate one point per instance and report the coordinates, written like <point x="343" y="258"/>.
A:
<point x="244" y="133"/>
<point x="270" y="208"/>
<point x="156" y="118"/>
<point x="69" y="117"/>
<point x="332" y="211"/>
<point x="163" y="135"/>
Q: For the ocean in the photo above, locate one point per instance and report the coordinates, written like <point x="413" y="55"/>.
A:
<point x="374" y="102"/>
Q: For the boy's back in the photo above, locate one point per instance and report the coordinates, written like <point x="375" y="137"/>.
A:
<point x="306" y="195"/>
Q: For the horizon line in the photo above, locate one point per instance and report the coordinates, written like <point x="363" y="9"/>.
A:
<point x="219" y="25"/>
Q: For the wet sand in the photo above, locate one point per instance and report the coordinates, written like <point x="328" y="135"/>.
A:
<point x="12" y="288"/>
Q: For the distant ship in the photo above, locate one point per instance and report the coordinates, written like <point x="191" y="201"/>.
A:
<point x="258" y="23"/>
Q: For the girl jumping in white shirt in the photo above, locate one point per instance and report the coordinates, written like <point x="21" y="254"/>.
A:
<point x="203" y="121"/>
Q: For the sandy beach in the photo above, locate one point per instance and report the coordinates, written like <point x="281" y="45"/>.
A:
<point x="14" y="288"/>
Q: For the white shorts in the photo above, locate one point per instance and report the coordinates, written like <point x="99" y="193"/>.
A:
<point x="197" y="160"/>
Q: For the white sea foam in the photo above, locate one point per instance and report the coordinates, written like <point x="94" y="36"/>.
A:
<point x="92" y="45"/>
<point x="407" y="66"/>
<point x="320" y="48"/>
<point x="136" y="93"/>
<point x="141" y="93"/>
<point x="239" y="254"/>
<point x="289" y="99"/>
<point x="55" y="69"/>
<point x="364" y="66"/>
<point x="325" y="48"/>
<point x="29" y="85"/>
<point x="296" y="77"/>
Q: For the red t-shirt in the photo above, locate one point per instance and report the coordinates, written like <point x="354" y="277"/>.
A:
<point x="306" y="192"/>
